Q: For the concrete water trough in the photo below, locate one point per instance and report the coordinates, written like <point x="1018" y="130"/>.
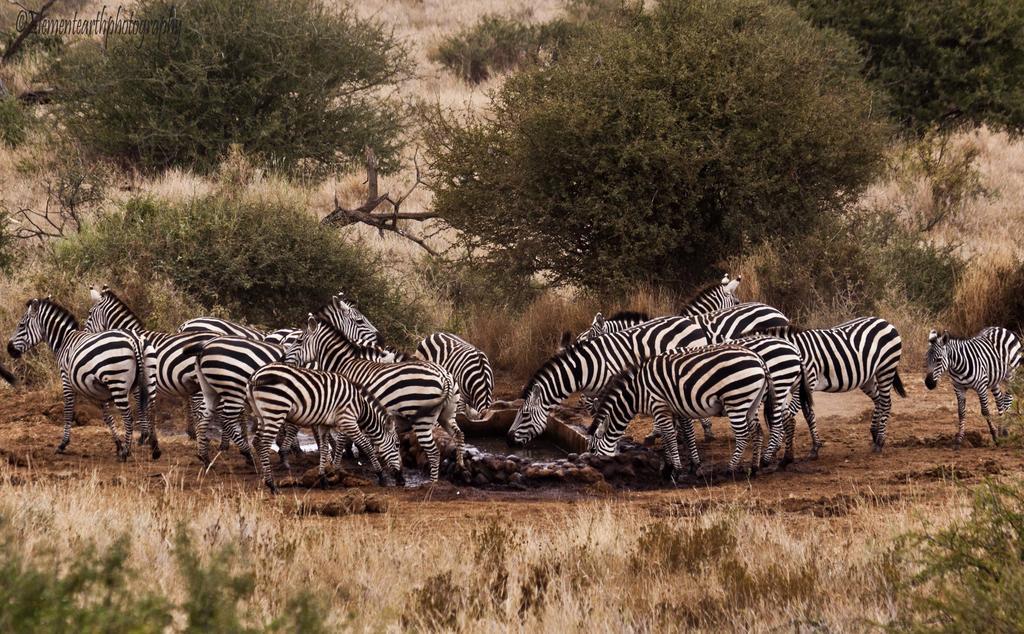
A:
<point x="490" y="431"/>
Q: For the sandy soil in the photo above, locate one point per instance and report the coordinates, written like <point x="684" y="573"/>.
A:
<point x="916" y="467"/>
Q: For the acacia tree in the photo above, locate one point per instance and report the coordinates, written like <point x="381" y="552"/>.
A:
<point x="297" y="85"/>
<point x="659" y="145"/>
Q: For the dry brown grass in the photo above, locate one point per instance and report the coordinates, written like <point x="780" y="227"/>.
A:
<point x="592" y="566"/>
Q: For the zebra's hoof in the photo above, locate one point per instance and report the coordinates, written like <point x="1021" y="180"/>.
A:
<point x="122" y="456"/>
<point x="876" y="448"/>
<point x="786" y="461"/>
<point x="61" y="448"/>
<point x="381" y="480"/>
<point x="709" y="436"/>
<point x="156" y="453"/>
<point x="273" y="488"/>
<point x="1004" y="432"/>
<point x="248" y="458"/>
<point x="399" y="479"/>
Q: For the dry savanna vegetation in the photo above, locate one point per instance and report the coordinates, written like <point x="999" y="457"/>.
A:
<point x="553" y="159"/>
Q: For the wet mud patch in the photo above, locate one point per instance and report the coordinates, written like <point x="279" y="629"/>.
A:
<point x="972" y="439"/>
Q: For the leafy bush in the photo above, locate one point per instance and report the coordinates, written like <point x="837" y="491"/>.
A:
<point x="659" y="144"/>
<point x="496" y="44"/>
<point x="971" y="578"/>
<point x="938" y="60"/>
<point x="14" y="122"/>
<point x="295" y="84"/>
<point x="265" y="262"/>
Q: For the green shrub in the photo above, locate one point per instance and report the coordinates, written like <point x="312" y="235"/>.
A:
<point x="14" y="122"/>
<point x="938" y="60"/>
<point x="656" y="146"/>
<point x="496" y="44"/>
<point x="267" y="263"/>
<point x="971" y="578"/>
<point x="297" y="85"/>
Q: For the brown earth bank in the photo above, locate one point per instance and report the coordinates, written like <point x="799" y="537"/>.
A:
<point x="918" y="466"/>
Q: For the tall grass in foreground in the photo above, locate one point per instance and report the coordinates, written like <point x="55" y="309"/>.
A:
<point x="592" y="566"/>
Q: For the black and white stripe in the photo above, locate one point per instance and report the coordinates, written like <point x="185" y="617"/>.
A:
<point x="677" y="387"/>
<point x="714" y="297"/>
<point x="328" y="403"/>
<point x="862" y="353"/>
<point x="603" y="326"/>
<point x="221" y="327"/>
<point x="468" y="364"/>
<point x="588" y="365"/>
<point x="106" y="367"/>
<point x="974" y="364"/>
<point x="422" y="392"/>
<point x="170" y="357"/>
<point x="739" y="320"/>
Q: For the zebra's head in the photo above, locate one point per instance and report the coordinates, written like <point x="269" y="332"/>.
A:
<point x="29" y="331"/>
<point x="480" y="391"/>
<point x="389" y="454"/>
<point x="344" y="316"/>
<point x="612" y="412"/>
<point x="936" y="360"/>
<point x="530" y="421"/>
<point x="598" y="328"/>
<point x="304" y="350"/>
<point x="99" y="315"/>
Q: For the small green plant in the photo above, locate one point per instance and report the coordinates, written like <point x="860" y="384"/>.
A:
<point x="14" y="122"/>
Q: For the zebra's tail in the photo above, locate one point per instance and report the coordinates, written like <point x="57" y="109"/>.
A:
<point x="806" y="393"/>
<point x="141" y="373"/>
<point x="7" y="375"/>
<point x="770" y="401"/>
<point x="897" y="385"/>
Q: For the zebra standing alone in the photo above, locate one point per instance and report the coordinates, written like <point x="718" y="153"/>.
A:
<point x="587" y="366"/>
<point x="422" y="392"/>
<point x="326" y="402"/>
<point x="676" y="388"/>
<point x="861" y="353"/>
<point x="105" y="367"/>
<point x="468" y="364"/>
<point x="170" y="357"/>
<point x="975" y="364"/>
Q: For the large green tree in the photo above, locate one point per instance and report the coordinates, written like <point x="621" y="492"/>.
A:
<point x="660" y="145"/>
<point x="940" y="61"/>
<point x="297" y="85"/>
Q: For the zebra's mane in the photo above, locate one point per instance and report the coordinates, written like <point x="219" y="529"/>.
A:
<point x="613" y="386"/>
<point x="776" y="331"/>
<point x="64" y="312"/>
<point x="551" y="362"/>
<point x="399" y="355"/>
<point x="707" y="290"/>
<point x="120" y="302"/>
<point x="629" y="315"/>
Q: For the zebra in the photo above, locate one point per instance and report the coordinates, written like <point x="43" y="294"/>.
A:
<point x="861" y="353"/>
<point x="677" y="387"/>
<point x="468" y="364"/>
<point x="107" y="367"/>
<point x="221" y="327"/>
<point x="283" y="336"/>
<point x="714" y="297"/>
<point x="587" y="366"/>
<point x="739" y="320"/>
<point x="324" y="401"/>
<point x="603" y="326"/>
<point x="421" y="391"/>
<point x="975" y="364"/>
<point x="170" y="363"/>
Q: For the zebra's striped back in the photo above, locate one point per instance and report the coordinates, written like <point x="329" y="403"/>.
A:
<point x="739" y="320"/>
<point x="222" y="327"/>
<point x="468" y="364"/>
<point x="1005" y="341"/>
<point x="587" y="366"/>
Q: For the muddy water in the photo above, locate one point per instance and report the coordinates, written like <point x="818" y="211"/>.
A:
<point x="538" y="450"/>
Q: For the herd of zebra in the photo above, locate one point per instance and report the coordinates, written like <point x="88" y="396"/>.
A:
<point x="718" y="357"/>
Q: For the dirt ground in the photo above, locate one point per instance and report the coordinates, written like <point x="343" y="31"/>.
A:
<point x="916" y="466"/>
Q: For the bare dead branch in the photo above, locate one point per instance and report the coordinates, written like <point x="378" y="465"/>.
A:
<point x="37" y="17"/>
<point x="382" y="221"/>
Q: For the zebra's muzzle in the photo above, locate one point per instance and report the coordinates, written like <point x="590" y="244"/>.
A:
<point x="930" y="382"/>
<point x="11" y="350"/>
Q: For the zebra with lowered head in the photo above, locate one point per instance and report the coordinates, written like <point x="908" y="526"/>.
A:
<point x="972" y="363"/>
<point x="468" y="364"/>
<point x="326" y="402"/>
<point x="587" y="366"/>
<point x="107" y="367"/>
<point x="679" y="386"/>
<point x="422" y="392"/>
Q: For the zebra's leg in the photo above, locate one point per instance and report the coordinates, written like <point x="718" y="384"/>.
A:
<point x="708" y="434"/>
<point x="1003" y="402"/>
<point x="287" y="444"/>
<point x="339" y="443"/>
<point x="351" y="430"/>
<point x="883" y="405"/>
<point x="741" y="430"/>
<point x="447" y="422"/>
<point x="108" y="420"/>
<point x="68" y="393"/>
<point x="758" y="434"/>
<point x="324" y="450"/>
<point x="961" y="414"/>
<point x="227" y="433"/>
<point x="266" y="431"/>
<point x="423" y="429"/>
<point x="685" y="425"/>
<point x="192" y="414"/>
<point x="202" y="433"/>
<point x="983" y="398"/>
<point x="812" y="426"/>
<point x="124" y="404"/>
<point x="664" y="423"/>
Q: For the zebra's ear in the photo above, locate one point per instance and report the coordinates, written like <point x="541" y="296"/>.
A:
<point x="599" y="321"/>
<point x="566" y="339"/>
<point x="310" y="323"/>
<point x="94" y="294"/>
<point x="932" y="336"/>
<point x="725" y="280"/>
